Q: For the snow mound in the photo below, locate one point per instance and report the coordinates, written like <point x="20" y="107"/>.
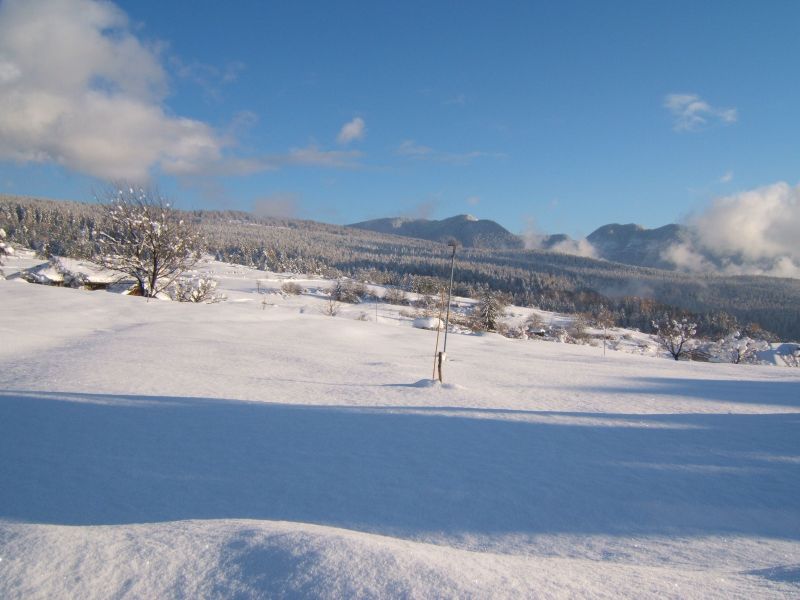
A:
<point x="432" y="323"/>
<point x="264" y="559"/>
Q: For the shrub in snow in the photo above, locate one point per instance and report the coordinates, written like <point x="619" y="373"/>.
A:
<point x="348" y="291"/>
<point x="145" y="238"/>
<point x="698" y="354"/>
<point x="73" y="280"/>
<point x="291" y="288"/>
<point x="358" y="289"/>
<point x="755" y="331"/>
<point x="196" y="289"/>
<point x="673" y="335"/>
<point x="602" y="318"/>
<point x="428" y="305"/>
<point x="736" y="348"/>
<point x="577" y="331"/>
<point x="534" y="321"/>
<point x="790" y="354"/>
<point x="534" y="327"/>
<point x="561" y="335"/>
<point x="516" y="333"/>
<point x="395" y="296"/>
<point x="424" y="284"/>
<point x="54" y="273"/>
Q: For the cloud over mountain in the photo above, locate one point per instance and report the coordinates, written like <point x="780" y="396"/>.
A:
<point x="753" y="232"/>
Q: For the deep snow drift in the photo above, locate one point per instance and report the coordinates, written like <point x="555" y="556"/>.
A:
<point x="258" y="448"/>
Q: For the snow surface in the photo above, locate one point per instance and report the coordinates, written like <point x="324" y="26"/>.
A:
<point x="259" y="448"/>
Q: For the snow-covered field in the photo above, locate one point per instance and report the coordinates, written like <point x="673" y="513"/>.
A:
<point x="259" y="448"/>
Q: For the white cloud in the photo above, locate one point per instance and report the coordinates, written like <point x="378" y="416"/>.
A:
<point x="579" y="247"/>
<point x="410" y="149"/>
<point x="313" y="156"/>
<point x="692" y="113"/>
<point x="424" y="209"/>
<point x="536" y="240"/>
<point x="210" y="78"/>
<point x="8" y="72"/>
<point x="458" y="100"/>
<point x="727" y="177"/>
<point x="473" y="200"/>
<point x="752" y="232"/>
<point x="310" y="155"/>
<point x="280" y="205"/>
<point x="352" y="130"/>
<point x="77" y="88"/>
<point x="761" y="223"/>
<point x="414" y="150"/>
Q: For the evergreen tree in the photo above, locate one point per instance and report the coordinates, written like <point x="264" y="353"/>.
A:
<point x="489" y="310"/>
<point x="5" y="249"/>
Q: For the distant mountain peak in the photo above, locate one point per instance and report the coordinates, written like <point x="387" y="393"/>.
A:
<point x="636" y="245"/>
<point x="467" y="230"/>
<point x="400" y="221"/>
<point x="618" y="229"/>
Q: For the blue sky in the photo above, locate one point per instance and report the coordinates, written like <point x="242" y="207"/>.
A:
<point x="558" y="116"/>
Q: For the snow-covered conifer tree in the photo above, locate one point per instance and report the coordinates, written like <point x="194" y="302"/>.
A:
<point x="489" y="310"/>
<point x="5" y="249"/>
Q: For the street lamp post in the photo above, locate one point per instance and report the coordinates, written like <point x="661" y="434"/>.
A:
<point x="443" y="354"/>
<point x="452" y="244"/>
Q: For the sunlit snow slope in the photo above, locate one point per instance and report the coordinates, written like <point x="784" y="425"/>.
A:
<point x="258" y="448"/>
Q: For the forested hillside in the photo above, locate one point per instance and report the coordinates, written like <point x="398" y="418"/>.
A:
<point x="549" y="280"/>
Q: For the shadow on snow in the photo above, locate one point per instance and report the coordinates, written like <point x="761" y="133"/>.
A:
<point x="776" y="393"/>
<point x="88" y="459"/>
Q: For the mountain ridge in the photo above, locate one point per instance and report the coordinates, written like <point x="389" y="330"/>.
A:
<point x="633" y="244"/>
<point x="550" y="280"/>
<point x="467" y="230"/>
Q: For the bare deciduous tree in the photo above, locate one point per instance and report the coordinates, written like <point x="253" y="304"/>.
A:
<point x="331" y="307"/>
<point x="144" y="237"/>
<point x="673" y="335"/>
